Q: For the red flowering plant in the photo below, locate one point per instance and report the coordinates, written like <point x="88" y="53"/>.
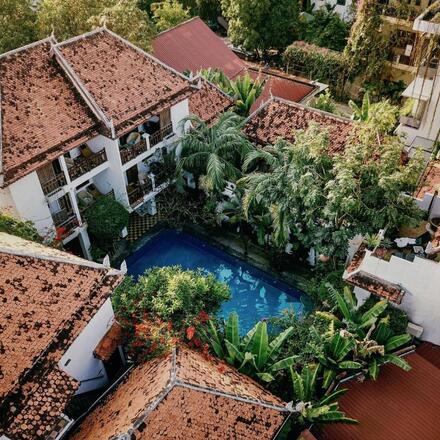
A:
<point x="167" y="305"/>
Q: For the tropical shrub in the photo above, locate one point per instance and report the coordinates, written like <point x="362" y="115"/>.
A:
<point x="170" y="294"/>
<point x="325" y="28"/>
<point x="215" y="151"/>
<point x="105" y="220"/>
<point x="253" y="354"/>
<point x="19" y="228"/>
<point x="324" y="102"/>
<point x="313" y="409"/>
<point x="318" y="63"/>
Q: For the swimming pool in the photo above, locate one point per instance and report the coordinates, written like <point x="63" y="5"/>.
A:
<point x="254" y="294"/>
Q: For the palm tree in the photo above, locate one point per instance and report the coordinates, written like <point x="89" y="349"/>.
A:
<point x="214" y="150"/>
<point x="310" y="408"/>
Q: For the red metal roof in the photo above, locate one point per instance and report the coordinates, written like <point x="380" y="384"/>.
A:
<point x="399" y="405"/>
<point x="193" y="46"/>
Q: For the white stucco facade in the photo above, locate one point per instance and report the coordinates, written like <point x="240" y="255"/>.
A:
<point x="421" y="281"/>
<point x="25" y="199"/>
<point x="79" y="362"/>
<point x="344" y="8"/>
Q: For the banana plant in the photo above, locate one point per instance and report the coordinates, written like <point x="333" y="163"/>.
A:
<point x="378" y="346"/>
<point x="335" y="356"/>
<point x="245" y="92"/>
<point x="354" y="321"/>
<point x="252" y="354"/>
<point x="362" y="112"/>
<point x="310" y="408"/>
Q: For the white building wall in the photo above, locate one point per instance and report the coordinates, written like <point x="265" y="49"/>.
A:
<point x="78" y="361"/>
<point x="421" y="280"/>
<point x="7" y="204"/>
<point x="345" y="11"/>
<point x="179" y="111"/>
<point x="30" y="203"/>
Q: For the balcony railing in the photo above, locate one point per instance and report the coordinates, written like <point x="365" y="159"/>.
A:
<point x="129" y="152"/>
<point x="51" y="185"/>
<point x="159" y="135"/>
<point x="83" y="165"/>
<point x="410" y="121"/>
<point x="137" y="193"/>
<point x="64" y="221"/>
<point x="84" y="208"/>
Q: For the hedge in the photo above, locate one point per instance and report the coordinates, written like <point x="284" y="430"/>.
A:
<point x="318" y="63"/>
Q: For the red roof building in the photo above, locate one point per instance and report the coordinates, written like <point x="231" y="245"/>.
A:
<point x="193" y="46"/>
<point x="184" y="396"/>
<point x="399" y="405"/>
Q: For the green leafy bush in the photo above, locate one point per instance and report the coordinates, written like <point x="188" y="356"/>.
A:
<point x="19" y="228"/>
<point x="170" y="294"/>
<point x="105" y="219"/>
<point x="318" y="63"/>
<point x="324" y="102"/>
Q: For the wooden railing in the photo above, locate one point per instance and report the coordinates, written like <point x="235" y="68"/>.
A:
<point x="159" y="135"/>
<point x="136" y="194"/>
<point x="129" y="152"/>
<point x="51" y="185"/>
<point x="66" y="219"/>
<point x="83" y="165"/>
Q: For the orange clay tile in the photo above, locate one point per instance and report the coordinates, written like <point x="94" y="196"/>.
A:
<point x="122" y="80"/>
<point x="46" y="301"/>
<point x="185" y="396"/>
<point x="109" y="343"/>
<point x="280" y="119"/>
<point x="41" y="112"/>
<point x="430" y="181"/>
<point x="209" y="102"/>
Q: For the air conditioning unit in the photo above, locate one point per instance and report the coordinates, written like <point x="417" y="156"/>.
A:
<point x="414" y="329"/>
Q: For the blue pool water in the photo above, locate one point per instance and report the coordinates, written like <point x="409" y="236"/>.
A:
<point x="255" y="294"/>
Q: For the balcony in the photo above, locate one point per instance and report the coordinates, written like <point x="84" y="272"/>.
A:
<point x="81" y="165"/>
<point x="65" y="221"/>
<point x="87" y="197"/>
<point x="136" y="192"/>
<point x="410" y="121"/>
<point x="51" y="185"/>
<point x="130" y="151"/>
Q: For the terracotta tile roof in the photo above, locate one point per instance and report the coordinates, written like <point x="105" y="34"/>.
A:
<point x="384" y="289"/>
<point x="209" y="102"/>
<point x="356" y="261"/>
<point x="162" y="399"/>
<point x="42" y="114"/>
<point x="193" y="46"/>
<point x="46" y="302"/>
<point x="430" y="181"/>
<point x="109" y="343"/>
<point x="399" y="405"/>
<point x="124" y="81"/>
<point x="280" y="119"/>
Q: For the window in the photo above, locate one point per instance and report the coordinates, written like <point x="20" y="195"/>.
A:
<point x="341" y="2"/>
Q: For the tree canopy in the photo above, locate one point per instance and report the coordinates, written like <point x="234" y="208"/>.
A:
<point x="169" y="13"/>
<point x="17" y="24"/>
<point x="67" y="18"/>
<point x="260" y="25"/>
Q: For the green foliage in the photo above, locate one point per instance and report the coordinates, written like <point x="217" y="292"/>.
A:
<point x="105" y="219"/>
<point x="325" y="28"/>
<point x="215" y="151"/>
<point x="128" y="21"/>
<point x="170" y="294"/>
<point x="397" y="319"/>
<point x="324" y="102"/>
<point x="254" y="354"/>
<point x="19" y="228"/>
<point x="366" y="50"/>
<point x="243" y="90"/>
<point x="318" y="63"/>
<point x="385" y="89"/>
<point x="312" y="409"/>
<point x="68" y="18"/>
<point x="261" y="25"/>
<point x="169" y="13"/>
<point x="372" y="240"/>
<point x="17" y="24"/>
